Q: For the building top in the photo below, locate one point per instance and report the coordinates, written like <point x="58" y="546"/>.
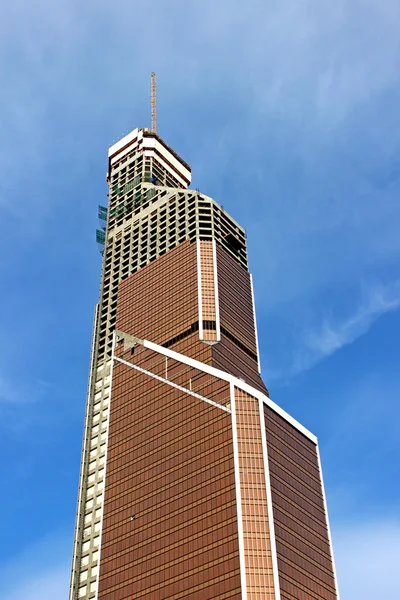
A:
<point x="150" y="144"/>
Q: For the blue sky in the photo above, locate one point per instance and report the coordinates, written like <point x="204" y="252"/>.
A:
<point x="288" y="114"/>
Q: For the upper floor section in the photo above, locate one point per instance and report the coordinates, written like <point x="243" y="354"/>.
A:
<point x="150" y="208"/>
<point x="144" y="153"/>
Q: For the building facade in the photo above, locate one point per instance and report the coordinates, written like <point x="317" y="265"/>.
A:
<point x="194" y="483"/>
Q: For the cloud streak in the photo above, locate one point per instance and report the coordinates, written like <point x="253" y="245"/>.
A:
<point x="333" y="335"/>
<point x="315" y="340"/>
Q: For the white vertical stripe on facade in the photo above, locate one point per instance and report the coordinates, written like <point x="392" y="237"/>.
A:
<point x="269" y="503"/>
<point x="238" y="494"/>
<point x="217" y="318"/>
<point x="327" y="522"/>
<point x="255" y="322"/>
<point x="199" y="290"/>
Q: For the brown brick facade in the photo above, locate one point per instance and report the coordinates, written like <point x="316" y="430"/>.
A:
<point x="148" y="306"/>
<point x="160" y="301"/>
<point x="170" y="523"/>
<point x="303" y="548"/>
<point x="235" y="300"/>
<point x="237" y="322"/>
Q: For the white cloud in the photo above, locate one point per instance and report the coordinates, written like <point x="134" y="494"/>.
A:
<point x="367" y="560"/>
<point x="312" y="342"/>
<point x="333" y="335"/>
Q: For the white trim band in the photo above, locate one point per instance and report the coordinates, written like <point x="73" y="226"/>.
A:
<point x="217" y="318"/>
<point x="255" y="322"/>
<point x="196" y="364"/>
<point x="199" y="290"/>
<point x="230" y="379"/>
<point x="82" y="490"/>
<point x="274" y="554"/>
<point x="327" y="523"/>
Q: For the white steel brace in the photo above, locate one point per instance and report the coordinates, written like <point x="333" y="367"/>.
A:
<point x="242" y="385"/>
<point x="172" y="384"/>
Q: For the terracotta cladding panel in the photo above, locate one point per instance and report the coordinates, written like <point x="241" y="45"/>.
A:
<point x="170" y="467"/>
<point x="253" y="494"/>
<point x="228" y="357"/>
<point x="304" y="559"/>
<point x="191" y="346"/>
<point x="207" y="280"/>
<point x="235" y="299"/>
<point x="160" y="301"/>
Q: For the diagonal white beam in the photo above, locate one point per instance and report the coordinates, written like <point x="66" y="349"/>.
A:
<point x="239" y="383"/>
<point x="172" y="384"/>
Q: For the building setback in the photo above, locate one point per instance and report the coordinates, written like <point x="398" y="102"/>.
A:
<point x="194" y="484"/>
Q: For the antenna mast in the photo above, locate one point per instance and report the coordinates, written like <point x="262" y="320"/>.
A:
<point x="153" y="103"/>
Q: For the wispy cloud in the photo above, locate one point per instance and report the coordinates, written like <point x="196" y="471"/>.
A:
<point x="334" y="334"/>
<point x="318" y="337"/>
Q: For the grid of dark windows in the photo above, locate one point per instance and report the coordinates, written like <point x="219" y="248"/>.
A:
<point x="303" y="548"/>
<point x="238" y="343"/>
<point x="192" y="329"/>
<point x="229" y="235"/>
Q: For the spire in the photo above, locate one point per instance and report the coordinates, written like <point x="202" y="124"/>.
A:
<point x="153" y="103"/>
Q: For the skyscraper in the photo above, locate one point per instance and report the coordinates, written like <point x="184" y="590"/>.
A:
<point x="194" y="484"/>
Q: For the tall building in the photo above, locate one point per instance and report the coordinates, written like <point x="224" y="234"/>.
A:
<point x="194" y="484"/>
